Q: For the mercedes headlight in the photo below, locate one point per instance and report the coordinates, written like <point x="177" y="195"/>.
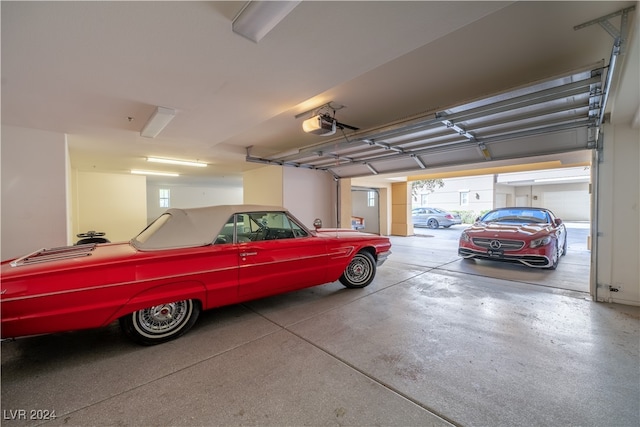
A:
<point x="540" y="242"/>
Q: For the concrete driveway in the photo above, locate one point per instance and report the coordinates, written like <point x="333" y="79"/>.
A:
<point x="429" y="343"/>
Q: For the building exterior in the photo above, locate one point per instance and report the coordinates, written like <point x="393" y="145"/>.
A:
<point x="564" y="191"/>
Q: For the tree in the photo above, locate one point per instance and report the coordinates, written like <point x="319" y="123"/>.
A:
<point x="425" y="185"/>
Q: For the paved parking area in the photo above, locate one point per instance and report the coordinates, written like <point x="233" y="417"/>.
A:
<point x="431" y="342"/>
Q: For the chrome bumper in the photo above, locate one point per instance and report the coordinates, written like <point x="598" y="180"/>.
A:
<point x="382" y="257"/>
<point x="535" y="261"/>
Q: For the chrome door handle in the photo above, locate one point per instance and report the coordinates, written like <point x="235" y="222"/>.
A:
<point x="243" y="254"/>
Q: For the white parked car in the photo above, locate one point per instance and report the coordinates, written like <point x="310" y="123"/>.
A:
<point x="434" y="218"/>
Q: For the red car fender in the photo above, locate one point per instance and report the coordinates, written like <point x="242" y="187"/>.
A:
<point x="340" y="258"/>
<point x="161" y="294"/>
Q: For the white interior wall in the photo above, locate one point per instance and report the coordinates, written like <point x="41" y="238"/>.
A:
<point x="306" y="193"/>
<point x="310" y="194"/>
<point x="618" y="247"/>
<point x="618" y="239"/>
<point x="185" y="196"/>
<point x="264" y="186"/>
<point x="345" y="202"/>
<point x="112" y="203"/>
<point x="34" y="190"/>
<point x="69" y="199"/>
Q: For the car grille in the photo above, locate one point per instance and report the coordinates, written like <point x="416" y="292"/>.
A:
<point x="529" y="260"/>
<point x="505" y="245"/>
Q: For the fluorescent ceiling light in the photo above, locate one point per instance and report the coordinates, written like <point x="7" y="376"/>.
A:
<point x="159" y="119"/>
<point x="176" y="162"/>
<point x="257" y="18"/>
<point x="139" y="172"/>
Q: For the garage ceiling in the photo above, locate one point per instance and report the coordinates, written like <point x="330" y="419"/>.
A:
<point x="404" y="72"/>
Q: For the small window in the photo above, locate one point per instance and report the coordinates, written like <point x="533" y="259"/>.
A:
<point x="424" y="199"/>
<point x="371" y="198"/>
<point x="464" y="198"/>
<point x="164" y="198"/>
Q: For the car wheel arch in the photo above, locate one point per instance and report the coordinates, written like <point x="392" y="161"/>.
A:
<point x="371" y="250"/>
<point x="161" y="323"/>
<point x="162" y="294"/>
<point x="361" y="269"/>
<point x="555" y="259"/>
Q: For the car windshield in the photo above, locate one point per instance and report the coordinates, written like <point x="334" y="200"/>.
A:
<point x="521" y="216"/>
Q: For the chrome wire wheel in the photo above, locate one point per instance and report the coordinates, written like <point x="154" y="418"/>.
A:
<point x="360" y="271"/>
<point x="161" y="323"/>
<point x="163" y="318"/>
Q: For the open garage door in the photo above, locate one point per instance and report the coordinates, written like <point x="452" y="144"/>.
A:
<point x="558" y="115"/>
<point x="554" y="118"/>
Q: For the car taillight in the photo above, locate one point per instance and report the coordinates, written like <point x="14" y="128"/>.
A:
<point x="448" y="216"/>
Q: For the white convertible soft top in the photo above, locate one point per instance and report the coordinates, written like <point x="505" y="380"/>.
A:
<point x="184" y="228"/>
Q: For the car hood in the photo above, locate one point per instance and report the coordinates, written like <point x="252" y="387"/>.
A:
<point x="79" y="256"/>
<point x="508" y="231"/>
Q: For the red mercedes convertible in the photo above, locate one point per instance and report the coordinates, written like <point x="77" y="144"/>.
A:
<point x="530" y="236"/>
<point x="185" y="261"/>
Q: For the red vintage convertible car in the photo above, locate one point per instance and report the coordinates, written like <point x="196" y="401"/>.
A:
<point x="530" y="236"/>
<point x="185" y="261"/>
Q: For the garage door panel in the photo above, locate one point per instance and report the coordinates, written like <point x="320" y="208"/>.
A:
<point x="570" y="205"/>
<point x="540" y="144"/>
<point x="557" y="115"/>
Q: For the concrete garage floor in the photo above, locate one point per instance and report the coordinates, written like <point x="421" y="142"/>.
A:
<point x="434" y="340"/>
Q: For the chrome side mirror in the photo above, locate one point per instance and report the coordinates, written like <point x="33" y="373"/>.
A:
<point x="317" y="223"/>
